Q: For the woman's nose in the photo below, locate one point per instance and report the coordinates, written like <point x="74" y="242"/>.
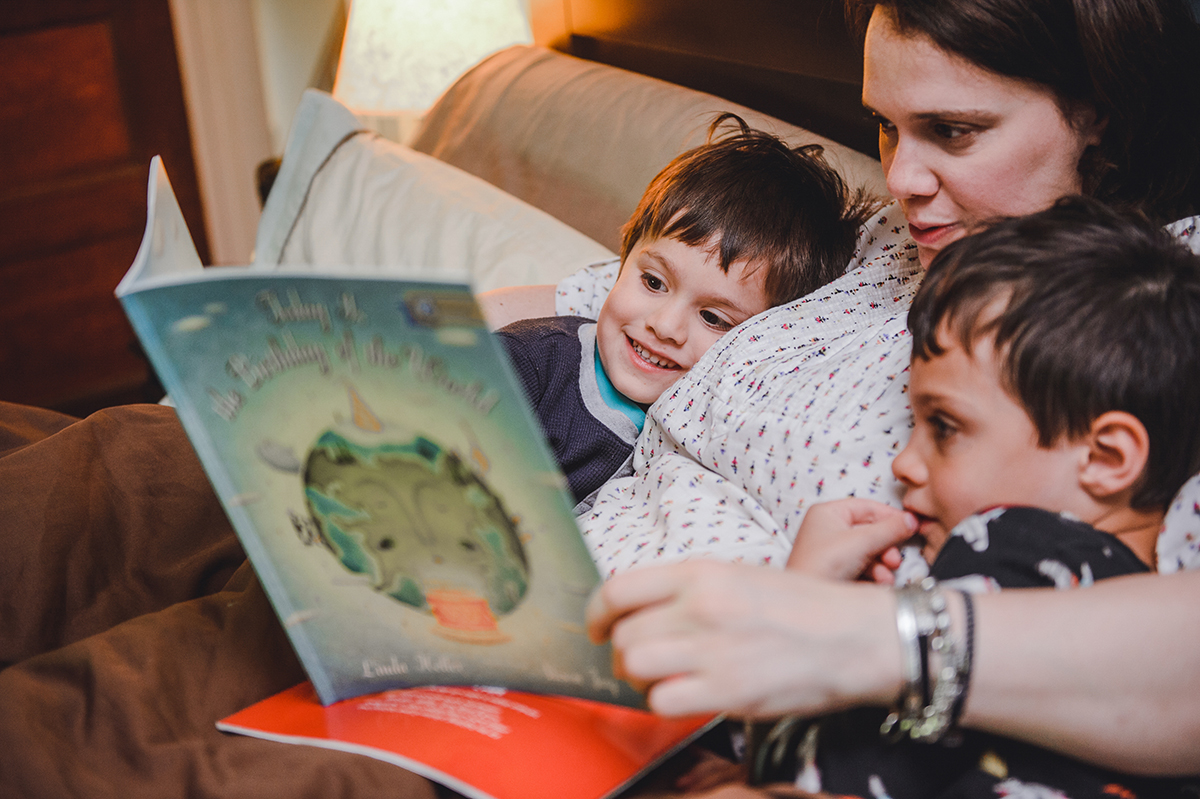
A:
<point x="907" y="172"/>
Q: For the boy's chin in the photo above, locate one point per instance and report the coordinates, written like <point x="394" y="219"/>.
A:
<point x="931" y="537"/>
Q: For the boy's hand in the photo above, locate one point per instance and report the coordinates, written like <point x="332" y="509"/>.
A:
<point x="851" y="539"/>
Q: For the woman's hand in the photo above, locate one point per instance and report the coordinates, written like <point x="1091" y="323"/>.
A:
<point x="712" y="637"/>
<point x="851" y="539"/>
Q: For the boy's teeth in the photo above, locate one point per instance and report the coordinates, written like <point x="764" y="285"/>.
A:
<point x="652" y="358"/>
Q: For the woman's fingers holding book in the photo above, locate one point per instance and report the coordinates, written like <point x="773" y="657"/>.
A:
<point x="752" y="641"/>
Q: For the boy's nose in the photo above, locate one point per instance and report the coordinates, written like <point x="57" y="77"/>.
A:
<point x="908" y="467"/>
<point x="668" y="323"/>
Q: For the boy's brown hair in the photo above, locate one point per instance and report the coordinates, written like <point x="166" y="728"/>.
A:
<point x="1100" y="312"/>
<point x="752" y="197"/>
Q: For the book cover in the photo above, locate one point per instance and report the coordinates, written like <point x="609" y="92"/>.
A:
<point x="483" y="743"/>
<point x="381" y="467"/>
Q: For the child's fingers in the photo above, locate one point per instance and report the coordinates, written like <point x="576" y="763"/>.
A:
<point x="855" y="510"/>
<point x="889" y="533"/>
<point x="881" y="574"/>
<point x="837" y="542"/>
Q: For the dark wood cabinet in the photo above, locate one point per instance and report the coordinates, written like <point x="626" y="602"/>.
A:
<point x="89" y="91"/>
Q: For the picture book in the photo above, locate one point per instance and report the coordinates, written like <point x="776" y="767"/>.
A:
<point x="487" y="743"/>
<point x="380" y="465"/>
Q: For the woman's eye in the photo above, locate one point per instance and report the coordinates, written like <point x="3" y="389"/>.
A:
<point x="652" y="282"/>
<point x="717" y="323"/>
<point x="885" y="126"/>
<point x="950" y="132"/>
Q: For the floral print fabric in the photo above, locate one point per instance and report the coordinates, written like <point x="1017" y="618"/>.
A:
<point x="803" y="403"/>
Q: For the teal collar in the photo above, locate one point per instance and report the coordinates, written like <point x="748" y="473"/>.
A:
<point x="615" y="399"/>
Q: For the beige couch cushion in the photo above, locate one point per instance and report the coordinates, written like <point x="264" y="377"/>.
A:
<point x="582" y="140"/>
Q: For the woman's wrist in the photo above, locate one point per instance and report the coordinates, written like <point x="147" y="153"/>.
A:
<point x="872" y="673"/>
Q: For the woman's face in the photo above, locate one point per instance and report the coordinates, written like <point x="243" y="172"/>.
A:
<point x="960" y="144"/>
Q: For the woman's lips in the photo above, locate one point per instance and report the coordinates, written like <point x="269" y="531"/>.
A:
<point x="931" y="235"/>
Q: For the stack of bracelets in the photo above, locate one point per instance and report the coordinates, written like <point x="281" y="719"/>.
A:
<point x="937" y="664"/>
<point x="937" y="672"/>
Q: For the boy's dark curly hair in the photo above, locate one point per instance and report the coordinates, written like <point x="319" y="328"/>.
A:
<point x="752" y="197"/>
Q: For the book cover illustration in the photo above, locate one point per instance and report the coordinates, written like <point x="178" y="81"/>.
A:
<point x="484" y="743"/>
<point x="381" y="468"/>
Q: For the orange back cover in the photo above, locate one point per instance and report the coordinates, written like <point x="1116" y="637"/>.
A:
<point x="481" y="742"/>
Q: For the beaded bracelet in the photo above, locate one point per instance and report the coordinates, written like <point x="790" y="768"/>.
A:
<point x="968" y="656"/>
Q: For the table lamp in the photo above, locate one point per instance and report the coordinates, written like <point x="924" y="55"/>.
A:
<point x="398" y="56"/>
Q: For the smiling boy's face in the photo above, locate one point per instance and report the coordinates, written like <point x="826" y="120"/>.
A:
<point x="670" y="304"/>
<point x="974" y="447"/>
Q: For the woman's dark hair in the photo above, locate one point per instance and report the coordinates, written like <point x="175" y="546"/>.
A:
<point x="1135" y="62"/>
<point x="1090" y="311"/>
<point x="778" y="207"/>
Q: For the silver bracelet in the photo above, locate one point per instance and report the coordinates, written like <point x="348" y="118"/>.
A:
<point x="936" y="666"/>
<point x="912" y="698"/>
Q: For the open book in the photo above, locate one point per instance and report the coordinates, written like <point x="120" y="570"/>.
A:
<point x="486" y="743"/>
<point x="381" y="467"/>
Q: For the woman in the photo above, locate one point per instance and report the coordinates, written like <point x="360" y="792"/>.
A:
<point x="984" y="109"/>
<point x="205" y="656"/>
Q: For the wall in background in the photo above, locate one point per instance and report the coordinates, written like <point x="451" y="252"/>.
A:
<point x="219" y="67"/>
<point x="298" y="46"/>
<point x="244" y="68"/>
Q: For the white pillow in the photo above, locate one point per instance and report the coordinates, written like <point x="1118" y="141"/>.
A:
<point x="348" y="197"/>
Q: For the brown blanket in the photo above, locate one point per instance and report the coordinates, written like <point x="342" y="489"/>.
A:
<point x="130" y="623"/>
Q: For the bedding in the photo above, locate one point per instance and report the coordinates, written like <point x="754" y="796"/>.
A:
<point x="717" y="470"/>
<point x="125" y="643"/>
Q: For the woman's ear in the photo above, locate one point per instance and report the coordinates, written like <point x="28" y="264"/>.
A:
<point x="1089" y="123"/>
<point x="1118" y="447"/>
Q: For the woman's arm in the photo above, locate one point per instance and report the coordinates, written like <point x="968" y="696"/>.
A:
<point x="507" y="305"/>
<point x="1109" y="674"/>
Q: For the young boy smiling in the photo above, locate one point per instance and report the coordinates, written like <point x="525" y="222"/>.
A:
<point x="1054" y="381"/>
<point x="724" y="232"/>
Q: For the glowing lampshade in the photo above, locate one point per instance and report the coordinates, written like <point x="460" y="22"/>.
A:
<point x="400" y="55"/>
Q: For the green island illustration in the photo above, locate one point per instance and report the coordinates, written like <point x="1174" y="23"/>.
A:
<point x="423" y="525"/>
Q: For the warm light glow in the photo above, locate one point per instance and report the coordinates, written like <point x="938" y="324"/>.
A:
<point x="400" y="55"/>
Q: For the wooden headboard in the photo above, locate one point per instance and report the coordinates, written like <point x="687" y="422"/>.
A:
<point x="792" y="59"/>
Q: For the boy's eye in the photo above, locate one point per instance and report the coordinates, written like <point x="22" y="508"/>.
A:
<point x="941" y="428"/>
<point x="717" y="323"/>
<point x="652" y="282"/>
